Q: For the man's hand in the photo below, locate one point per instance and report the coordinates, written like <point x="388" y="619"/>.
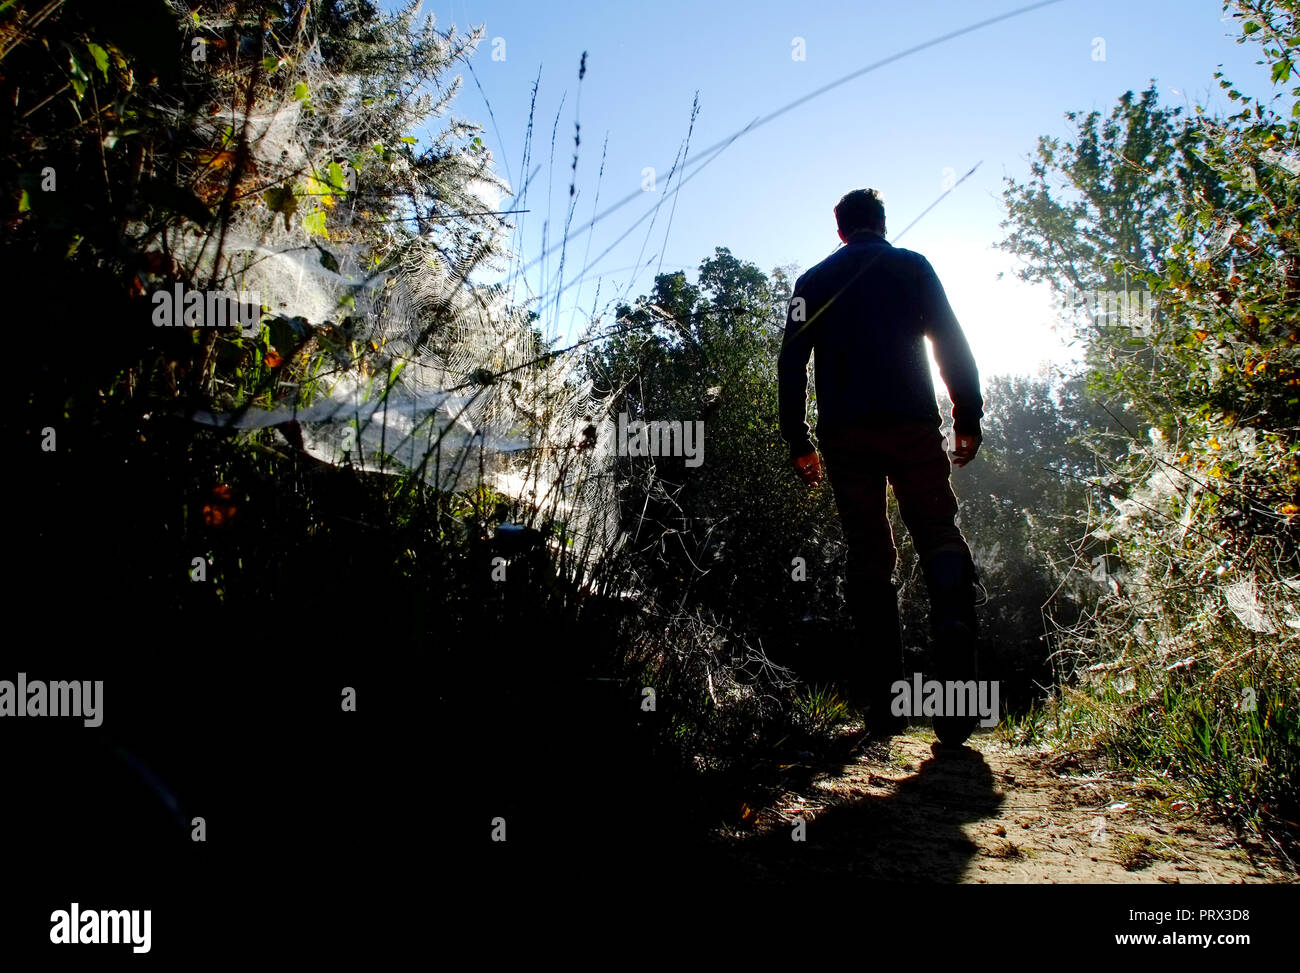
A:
<point x="809" y="468"/>
<point x="964" y="448"/>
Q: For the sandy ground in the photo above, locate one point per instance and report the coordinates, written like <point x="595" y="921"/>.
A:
<point x="894" y="812"/>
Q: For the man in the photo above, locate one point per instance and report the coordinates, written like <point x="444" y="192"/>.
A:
<point x="866" y="310"/>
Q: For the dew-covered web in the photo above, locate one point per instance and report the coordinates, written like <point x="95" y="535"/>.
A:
<point x="413" y="368"/>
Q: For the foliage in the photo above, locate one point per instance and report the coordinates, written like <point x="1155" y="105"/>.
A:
<point x="1199" y="609"/>
<point x="726" y="531"/>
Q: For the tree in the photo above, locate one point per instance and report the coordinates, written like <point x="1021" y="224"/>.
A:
<point x="731" y="528"/>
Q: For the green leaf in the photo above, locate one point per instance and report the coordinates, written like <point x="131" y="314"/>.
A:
<point x="77" y="70"/>
<point x="24" y="203"/>
<point x="314" y="224"/>
<point x="269" y="64"/>
<point x="101" y="58"/>
<point x="408" y="139"/>
<point x="301" y="91"/>
<point x="1249" y="27"/>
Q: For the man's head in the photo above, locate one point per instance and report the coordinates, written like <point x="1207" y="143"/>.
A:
<point x="861" y="209"/>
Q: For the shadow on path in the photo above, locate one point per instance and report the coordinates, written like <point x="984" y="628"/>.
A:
<point x="876" y="828"/>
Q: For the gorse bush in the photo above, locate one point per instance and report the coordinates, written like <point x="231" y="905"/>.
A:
<point x="1185" y="665"/>
<point x="269" y="153"/>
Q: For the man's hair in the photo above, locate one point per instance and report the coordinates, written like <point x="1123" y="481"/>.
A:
<point x="861" y="209"/>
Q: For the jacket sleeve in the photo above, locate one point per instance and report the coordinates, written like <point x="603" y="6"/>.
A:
<point x="951" y="351"/>
<point x="792" y="371"/>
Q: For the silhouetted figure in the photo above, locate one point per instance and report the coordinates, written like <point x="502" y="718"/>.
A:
<point x="866" y="310"/>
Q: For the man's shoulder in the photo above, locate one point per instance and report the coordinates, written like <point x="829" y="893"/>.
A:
<point x="808" y="280"/>
<point x="813" y="272"/>
<point x="912" y="258"/>
<point x="845" y="259"/>
<point x="825" y="267"/>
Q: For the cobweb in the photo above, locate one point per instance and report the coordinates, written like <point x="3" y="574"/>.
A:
<point x="451" y="384"/>
<point x="1243" y="598"/>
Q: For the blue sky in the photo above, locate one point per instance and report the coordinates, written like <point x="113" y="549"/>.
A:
<point x="902" y="128"/>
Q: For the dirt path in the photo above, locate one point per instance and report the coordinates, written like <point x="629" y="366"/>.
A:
<point x="894" y="812"/>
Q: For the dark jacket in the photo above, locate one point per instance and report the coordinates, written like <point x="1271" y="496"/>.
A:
<point x="867" y="309"/>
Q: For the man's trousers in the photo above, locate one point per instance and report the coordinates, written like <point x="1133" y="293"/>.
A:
<point x="910" y="457"/>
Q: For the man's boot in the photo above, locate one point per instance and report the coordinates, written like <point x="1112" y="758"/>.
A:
<point x="879" y="660"/>
<point x="950" y="578"/>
